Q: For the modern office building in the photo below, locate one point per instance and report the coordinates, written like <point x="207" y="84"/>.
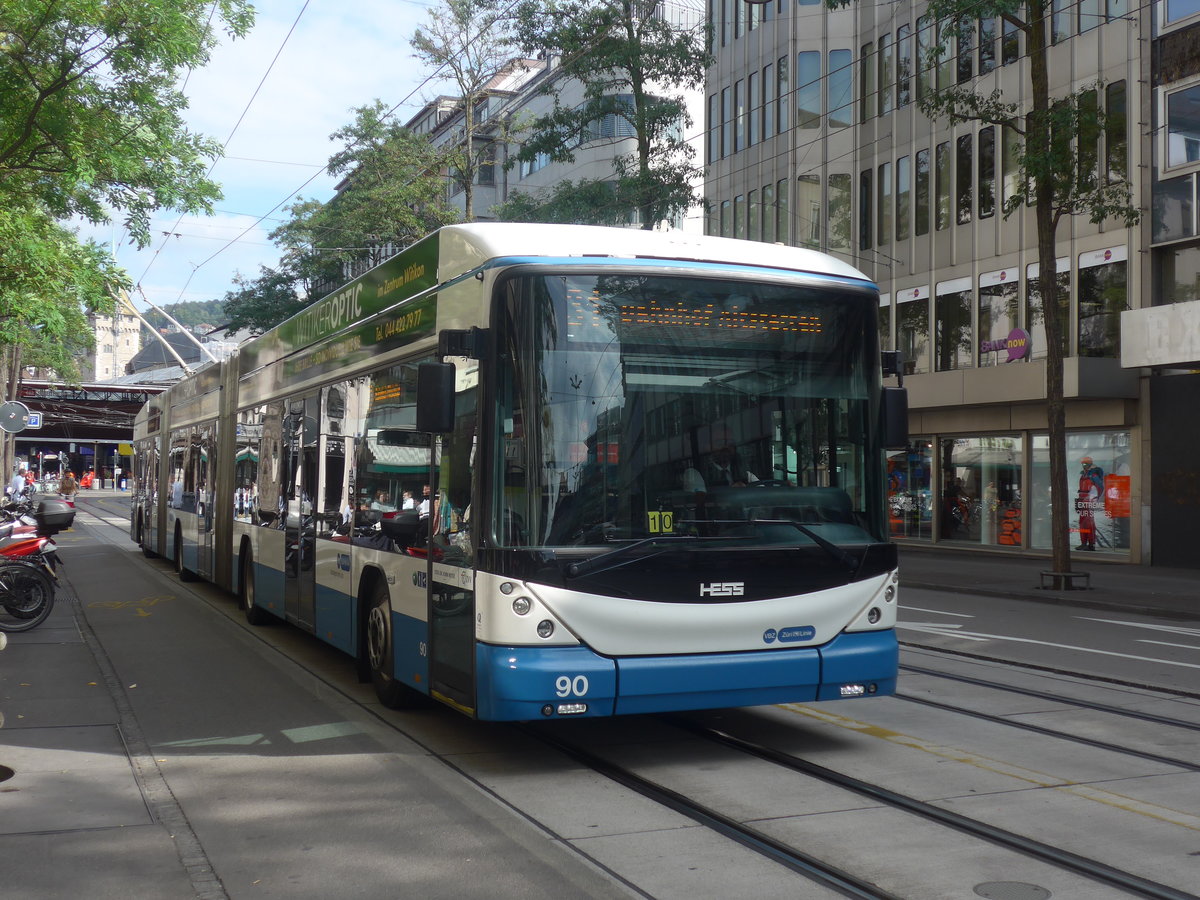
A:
<point x="815" y="138"/>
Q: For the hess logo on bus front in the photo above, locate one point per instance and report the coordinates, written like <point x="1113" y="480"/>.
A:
<point x="723" y="589"/>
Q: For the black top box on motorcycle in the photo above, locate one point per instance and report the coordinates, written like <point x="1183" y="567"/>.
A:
<point x="54" y="516"/>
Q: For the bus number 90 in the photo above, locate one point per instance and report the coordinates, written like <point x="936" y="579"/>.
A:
<point x="565" y="686"/>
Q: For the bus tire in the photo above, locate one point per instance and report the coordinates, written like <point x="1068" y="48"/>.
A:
<point x="255" y="615"/>
<point x="182" y="571"/>
<point x="380" y="654"/>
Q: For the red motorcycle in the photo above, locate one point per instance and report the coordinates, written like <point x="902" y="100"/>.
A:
<point x="29" y="563"/>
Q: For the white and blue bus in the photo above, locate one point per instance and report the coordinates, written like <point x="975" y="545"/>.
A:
<point x="539" y="471"/>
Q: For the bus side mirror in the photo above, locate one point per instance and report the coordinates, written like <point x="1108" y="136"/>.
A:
<point x="435" y="397"/>
<point x="895" y="418"/>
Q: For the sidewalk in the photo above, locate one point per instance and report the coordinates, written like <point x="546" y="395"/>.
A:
<point x="1148" y="590"/>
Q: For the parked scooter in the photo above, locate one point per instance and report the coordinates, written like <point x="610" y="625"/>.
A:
<point x="29" y="565"/>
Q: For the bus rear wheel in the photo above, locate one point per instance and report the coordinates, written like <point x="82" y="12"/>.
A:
<point x="380" y="654"/>
<point x="255" y="615"/>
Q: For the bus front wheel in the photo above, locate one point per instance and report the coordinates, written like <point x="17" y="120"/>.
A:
<point x="380" y="654"/>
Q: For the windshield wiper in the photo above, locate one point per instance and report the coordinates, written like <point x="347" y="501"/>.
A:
<point x="838" y="553"/>
<point x="605" y="560"/>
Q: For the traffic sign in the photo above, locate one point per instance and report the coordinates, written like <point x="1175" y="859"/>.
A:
<point x="35" y="420"/>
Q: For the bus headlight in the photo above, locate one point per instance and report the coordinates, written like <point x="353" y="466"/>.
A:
<point x="890" y="594"/>
<point x="521" y="606"/>
<point x="874" y="615"/>
<point x="545" y="628"/>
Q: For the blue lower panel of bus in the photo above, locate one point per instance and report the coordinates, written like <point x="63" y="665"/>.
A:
<point x="522" y="682"/>
<point x="518" y="682"/>
<point x="334" y="619"/>
<point x="411" y="663"/>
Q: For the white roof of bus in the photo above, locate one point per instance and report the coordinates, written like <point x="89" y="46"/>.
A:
<point x="480" y="241"/>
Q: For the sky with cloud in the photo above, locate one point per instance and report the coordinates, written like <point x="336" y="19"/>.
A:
<point x="320" y="60"/>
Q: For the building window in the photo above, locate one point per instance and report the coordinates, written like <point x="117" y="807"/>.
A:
<point x="768" y="219"/>
<point x="1091" y="14"/>
<point x="781" y="91"/>
<point x="886" y="74"/>
<point x="884" y="216"/>
<point x="966" y="49"/>
<point x="1010" y="43"/>
<point x="739" y="217"/>
<point x="1035" y="322"/>
<point x="963" y="179"/>
<point x="808" y="89"/>
<point x="769" y="102"/>
<point x="1060" y="20"/>
<point x="1183" y="127"/>
<point x="999" y="306"/>
<point x="912" y="330"/>
<point x="726" y="220"/>
<point x="885" y="321"/>
<point x="987" y="45"/>
<point x="1099" y="491"/>
<point x="903" y="65"/>
<point x="753" y="227"/>
<point x="987" y="172"/>
<point x="925" y="58"/>
<point x="866" y="78"/>
<point x="726" y="123"/>
<point x="1173" y="205"/>
<point x="1089" y="140"/>
<point x="839" y="211"/>
<point x="942" y="185"/>
<point x="921" y="217"/>
<point x="1010" y="164"/>
<point x="754" y="114"/>
<point x="841" y="88"/>
<point x="1180" y="9"/>
<point x="1103" y="295"/>
<point x="808" y="211"/>
<point x="953" y="343"/>
<point x="714" y="127"/>
<point x="1177" y="274"/>
<point x="903" y="197"/>
<point x="739" y="112"/>
<point x="1116" y="141"/>
<point x="864" y="210"/>
<point x="782" y="217"/>
<point x="981" y="489"/>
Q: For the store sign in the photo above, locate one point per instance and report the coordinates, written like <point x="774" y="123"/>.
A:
<point x="1017" y="345"/>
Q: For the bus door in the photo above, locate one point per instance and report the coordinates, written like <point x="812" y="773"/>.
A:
<point x="205" y="473"/>
<point x="452" y="558"/>
<point x="300" y="449"/>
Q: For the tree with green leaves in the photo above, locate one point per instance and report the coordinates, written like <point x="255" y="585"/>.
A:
<point x="50" y="282"/>
<point x="469" y="44"/>
<point x="391" y="195"/>
<point x="631" y="58"/>
<point x="1057" y="163"/>
<point x="91" y="124"/>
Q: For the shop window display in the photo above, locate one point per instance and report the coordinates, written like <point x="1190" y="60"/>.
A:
<point x="1098" y="491"/>
<point x="980" y="496"/>
<point x="910" y="499"/>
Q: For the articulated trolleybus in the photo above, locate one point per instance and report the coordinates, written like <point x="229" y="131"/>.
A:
<point x="540" y="471"/>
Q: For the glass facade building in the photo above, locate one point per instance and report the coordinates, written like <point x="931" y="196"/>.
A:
<point x="934" y="211"/>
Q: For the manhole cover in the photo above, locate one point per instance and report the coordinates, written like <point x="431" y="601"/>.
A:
<point x="1011" y="890"/>
<point x="6" y="773"/>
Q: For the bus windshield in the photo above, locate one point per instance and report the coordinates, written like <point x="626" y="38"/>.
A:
<point x="637" y="406"/>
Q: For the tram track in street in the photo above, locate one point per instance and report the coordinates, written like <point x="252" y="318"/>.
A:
<point x="837" y="878"/>
<point x="821" y="871"/>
